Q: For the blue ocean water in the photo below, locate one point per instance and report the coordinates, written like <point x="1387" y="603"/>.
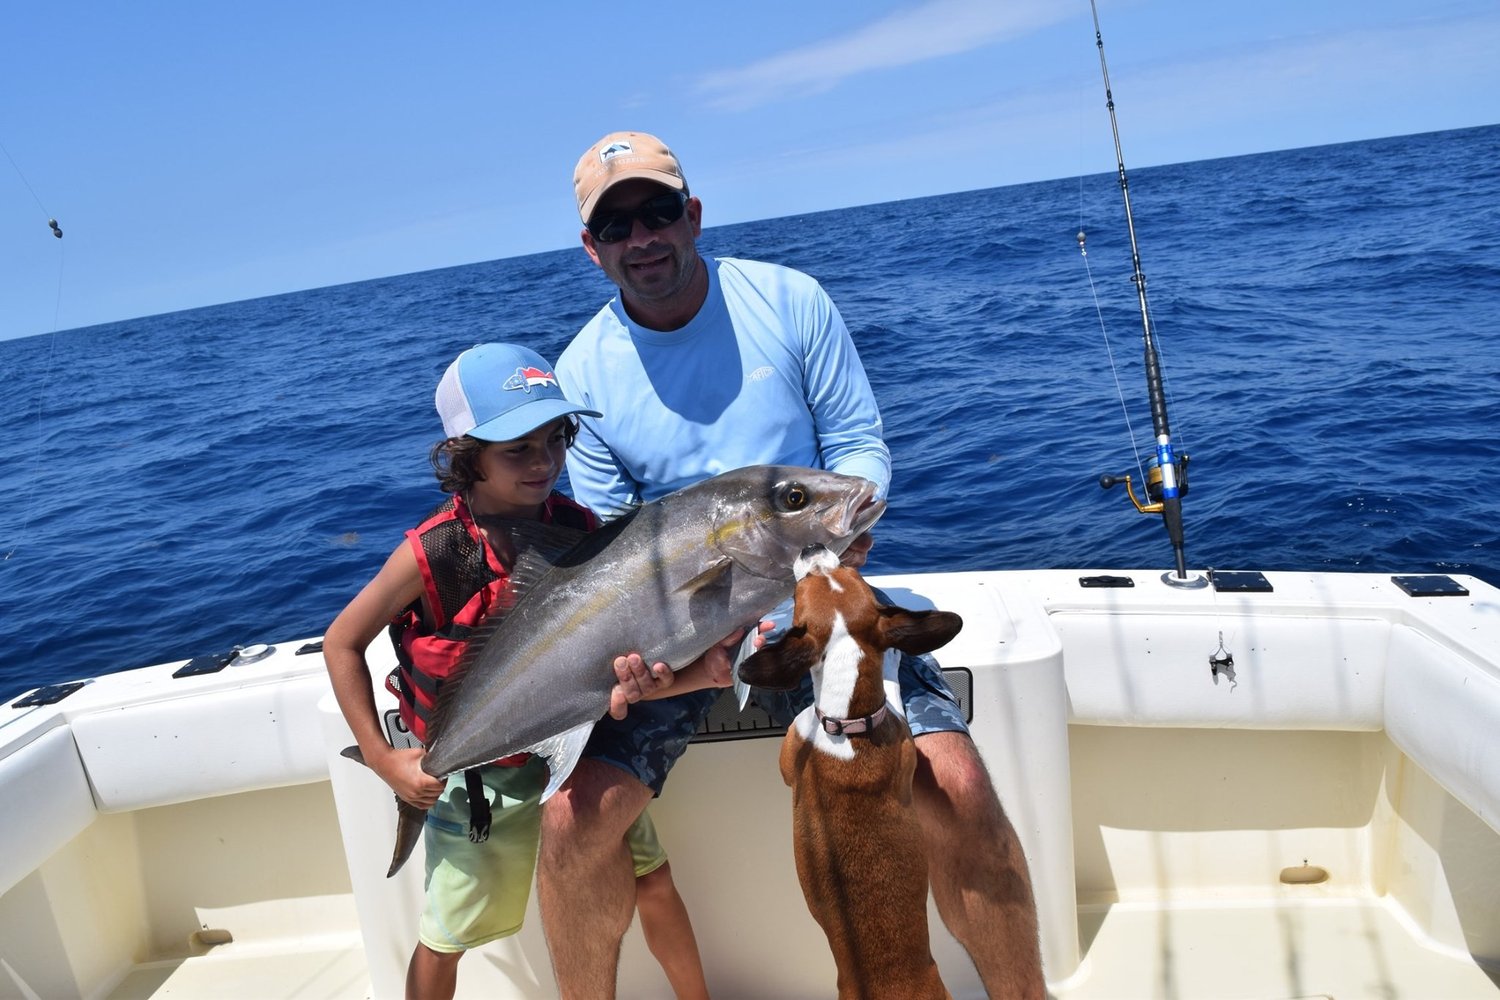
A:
<point x="1326" y="318"/>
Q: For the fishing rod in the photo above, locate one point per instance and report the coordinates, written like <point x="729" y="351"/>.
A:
<point x="1166" y="479"/>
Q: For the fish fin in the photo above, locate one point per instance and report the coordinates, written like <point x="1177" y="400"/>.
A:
<point x="530" y="567"/>
<point x="549" y="541"/>
<point x="716" y="574"/>
<point x="531" y="549"/>
<point x="409" y="823"/>
<point x="746" y="649"/>
<point x="353" y="754"/>
<point x="741" y="691"/>
<point x="561" y="753"/>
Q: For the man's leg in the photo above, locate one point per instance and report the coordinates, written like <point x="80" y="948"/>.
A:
<point x="585" y="878"/>
<point x="978" y="872"/>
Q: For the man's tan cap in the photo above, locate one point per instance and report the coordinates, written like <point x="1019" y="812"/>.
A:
<point x="622" y="156"/>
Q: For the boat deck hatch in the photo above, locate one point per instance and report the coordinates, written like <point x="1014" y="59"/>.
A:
<point x="1431" y="586"/>
<point x="1240" y="581"/>
<point x="49" y="695"/>
<point x="208" y="663"/>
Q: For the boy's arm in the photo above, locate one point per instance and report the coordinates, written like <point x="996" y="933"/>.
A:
<point x="395" y="587"/>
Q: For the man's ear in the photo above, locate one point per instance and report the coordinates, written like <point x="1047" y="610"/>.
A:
<point x="588" y="245"/>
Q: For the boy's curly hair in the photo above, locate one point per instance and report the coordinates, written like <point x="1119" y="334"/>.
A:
<point x="455" y="460"/>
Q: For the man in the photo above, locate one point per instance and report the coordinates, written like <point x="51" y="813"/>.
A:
<point x="703" y="366"/>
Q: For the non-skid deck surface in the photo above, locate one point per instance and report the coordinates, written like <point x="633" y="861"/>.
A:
<point x="260" y="972"/>
<point x="1342" y="949"/>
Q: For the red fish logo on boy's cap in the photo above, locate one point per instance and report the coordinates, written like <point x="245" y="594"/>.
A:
<point x="475" y="396"/>
<point x="527" y="376"/>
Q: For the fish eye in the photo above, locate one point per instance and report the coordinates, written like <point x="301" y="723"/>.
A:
<point x="793" y="496"/>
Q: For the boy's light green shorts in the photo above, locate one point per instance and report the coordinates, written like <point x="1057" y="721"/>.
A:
<point x="478" y="892"/>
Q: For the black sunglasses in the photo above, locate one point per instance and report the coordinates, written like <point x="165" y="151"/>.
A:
<point x="654" y="213"/>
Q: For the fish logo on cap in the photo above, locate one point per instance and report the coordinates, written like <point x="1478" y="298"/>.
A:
<point x="526" y="377"/>
<point x="617" y="148"/>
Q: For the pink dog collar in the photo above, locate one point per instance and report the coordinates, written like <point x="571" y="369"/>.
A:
<point x="850" y="727"/>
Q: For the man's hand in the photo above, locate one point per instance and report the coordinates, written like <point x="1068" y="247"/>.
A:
<point x="715" y="668"/>
<point x="718" y="662"/>
<point x="760" y="635"/>
<point x="635" y="682"/>
<point x="859" y="549"/>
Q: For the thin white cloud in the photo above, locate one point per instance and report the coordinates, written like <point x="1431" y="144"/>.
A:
<point x="926" y="31"/>
<point x="1367" y="82"/>
<point x="1269" y="94"/>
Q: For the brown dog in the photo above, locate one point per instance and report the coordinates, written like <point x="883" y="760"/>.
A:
<point x="849" y="760"/>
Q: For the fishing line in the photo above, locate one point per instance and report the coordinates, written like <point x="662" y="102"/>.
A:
<point x="1108" y="348"/>
<point x="1114" y="368"/>
<point x="51" y="343"/>
<point x="24" y="181"/>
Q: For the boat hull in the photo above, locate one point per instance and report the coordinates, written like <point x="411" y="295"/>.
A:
<point x="202" y="836"/>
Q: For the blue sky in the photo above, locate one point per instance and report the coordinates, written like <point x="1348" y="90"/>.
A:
<point x="199" y="152"/>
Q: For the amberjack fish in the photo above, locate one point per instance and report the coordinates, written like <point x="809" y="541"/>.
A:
<point x="669" y="580"/>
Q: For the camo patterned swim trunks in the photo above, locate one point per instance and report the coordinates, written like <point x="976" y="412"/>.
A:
<point x="648" y="741"/>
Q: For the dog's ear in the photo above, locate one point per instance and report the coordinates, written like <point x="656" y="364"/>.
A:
<point x="917" y="632"/>
<point x="779" y="666"/>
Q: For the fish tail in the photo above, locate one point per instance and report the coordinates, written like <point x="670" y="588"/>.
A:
<point x="409" y="823"/>
<point x="741" y="692"/>
<point x="409" y="820"/>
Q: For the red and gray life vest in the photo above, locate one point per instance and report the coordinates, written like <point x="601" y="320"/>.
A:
<point x="463" y="582"/>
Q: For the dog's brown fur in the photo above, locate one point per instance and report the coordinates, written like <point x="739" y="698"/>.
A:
<point x="856" y="836"/>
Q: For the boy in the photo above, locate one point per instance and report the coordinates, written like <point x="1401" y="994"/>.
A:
<point x="508" y="428"/>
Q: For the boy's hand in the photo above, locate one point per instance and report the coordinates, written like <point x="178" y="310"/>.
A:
<point x="635" y="682"/>
<point x="402" y="770"/>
